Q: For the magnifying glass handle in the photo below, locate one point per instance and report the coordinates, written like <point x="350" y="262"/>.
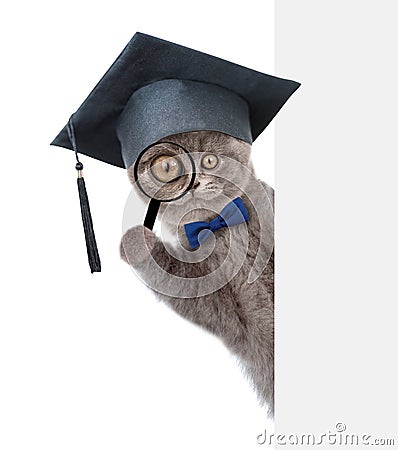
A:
<point x="151" y="213"/>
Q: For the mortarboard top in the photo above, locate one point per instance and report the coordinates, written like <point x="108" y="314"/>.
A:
<point x="156" y="88"/>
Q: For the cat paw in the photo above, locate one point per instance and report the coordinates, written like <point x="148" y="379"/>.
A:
<point x="137" y="244"/>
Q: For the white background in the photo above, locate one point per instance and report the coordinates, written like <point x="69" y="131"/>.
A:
<point x="93" y="361"/>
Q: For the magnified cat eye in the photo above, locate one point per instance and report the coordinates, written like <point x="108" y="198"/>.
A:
<point x="166" y="168"/>
<point x="209" y="161"/>
<point x="164" y="172"/>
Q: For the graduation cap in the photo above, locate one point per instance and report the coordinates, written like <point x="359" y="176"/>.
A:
<point x="155" y="89"/>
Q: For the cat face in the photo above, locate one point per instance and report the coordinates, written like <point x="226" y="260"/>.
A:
<point x="218" y="160"/>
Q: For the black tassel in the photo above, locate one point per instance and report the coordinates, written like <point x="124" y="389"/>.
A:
<point x="91" y="244"/>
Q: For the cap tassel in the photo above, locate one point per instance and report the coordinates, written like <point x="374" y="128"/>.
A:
<point x="91" y="244"/>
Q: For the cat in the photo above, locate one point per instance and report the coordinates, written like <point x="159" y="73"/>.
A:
<point x="240" y="313"/>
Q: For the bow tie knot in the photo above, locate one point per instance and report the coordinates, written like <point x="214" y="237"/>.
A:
<point x="234" y="213"/>
<point x="217" y="223"/>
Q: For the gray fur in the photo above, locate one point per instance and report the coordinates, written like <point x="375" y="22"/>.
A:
<point x="239" y="313"/>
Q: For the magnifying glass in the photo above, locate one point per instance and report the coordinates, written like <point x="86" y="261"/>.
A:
<point x="164" y="172"/>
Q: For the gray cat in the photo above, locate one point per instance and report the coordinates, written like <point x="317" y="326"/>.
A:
<point x="214" y="286"/>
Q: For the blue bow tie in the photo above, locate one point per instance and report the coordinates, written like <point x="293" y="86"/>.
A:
<point x="233" y="214"/>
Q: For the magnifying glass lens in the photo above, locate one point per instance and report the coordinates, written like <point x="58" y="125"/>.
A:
<point x="164" y="172"/>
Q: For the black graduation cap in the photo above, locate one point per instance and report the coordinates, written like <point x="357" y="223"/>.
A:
<point x="156" y="88"/>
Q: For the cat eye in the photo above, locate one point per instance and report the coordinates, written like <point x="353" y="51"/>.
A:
<point x="166" y="168"/>
<point x="209" y="161"/>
